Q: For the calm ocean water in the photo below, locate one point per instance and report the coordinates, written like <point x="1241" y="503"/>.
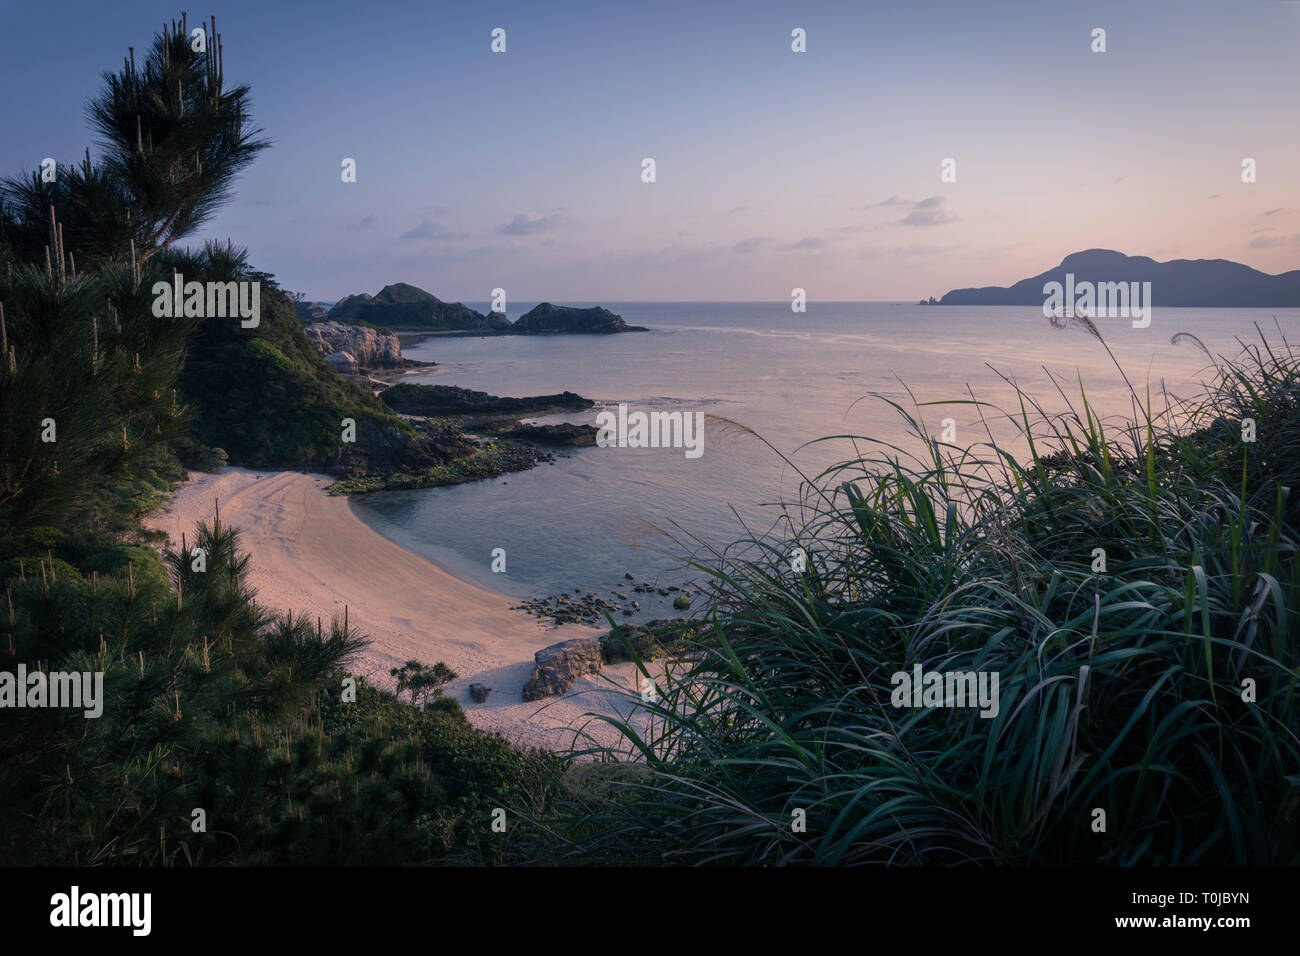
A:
<point x="587" y="518"/>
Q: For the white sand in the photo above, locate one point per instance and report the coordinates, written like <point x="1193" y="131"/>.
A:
<point x="310" y="554"/>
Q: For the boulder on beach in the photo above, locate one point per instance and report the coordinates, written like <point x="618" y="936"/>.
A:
<point x="479" y="693"/>
<point x="559" y="665"/>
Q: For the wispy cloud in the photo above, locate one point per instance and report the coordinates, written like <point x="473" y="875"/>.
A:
<point x="928" y="212"/>
<point x="922" y="212"/>
<point x="806" y="243"/>
<point x="428" y="229"/>
<point x="365" y="222"/>
<point x="750" y="245"/>
<point x="1269" y="242"/>
<point x="530" y="223"/>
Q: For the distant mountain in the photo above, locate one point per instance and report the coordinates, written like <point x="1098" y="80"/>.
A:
<point x="408" y="308"/>
<point x="547" y="319"/>
<point x="1179" y="282"/>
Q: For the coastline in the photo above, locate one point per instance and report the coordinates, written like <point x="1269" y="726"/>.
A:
<point x="311" y="555"/>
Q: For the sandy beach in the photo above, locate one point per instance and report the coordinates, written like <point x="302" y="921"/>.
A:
<point x="311" y="555"/>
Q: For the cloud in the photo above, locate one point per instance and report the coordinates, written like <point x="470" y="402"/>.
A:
<point x="429" y="229"/>
<point x="807" y="242"/>
<point x="366" y="222"/>
<point x="750" y="245"/>
<point x="1215" y="196"/>
<point x="928" y="212"/>
<point x="530" y="223"/>
<point x="1269" y="242"/>
<point x="924" y="212"/>
<point x="737" y="209"/>
<point x="1274" y="212"/>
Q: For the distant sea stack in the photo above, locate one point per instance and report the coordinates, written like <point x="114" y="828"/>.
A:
<point x="406" y="308"/>
<point x="1185" y="283"/>
<point x="547" y="319"/>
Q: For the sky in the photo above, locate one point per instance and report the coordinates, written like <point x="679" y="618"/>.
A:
<point x="821" y="170"/>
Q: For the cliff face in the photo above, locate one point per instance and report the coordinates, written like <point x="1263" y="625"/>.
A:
<point x="409" y="308"/>
<point x="550" y="319"/>
<point x="347" y="347"/>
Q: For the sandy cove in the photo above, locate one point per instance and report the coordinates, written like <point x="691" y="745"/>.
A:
<point x="311" y="555"/>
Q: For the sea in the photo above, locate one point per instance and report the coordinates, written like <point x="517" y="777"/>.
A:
<point x="778" y="392"/>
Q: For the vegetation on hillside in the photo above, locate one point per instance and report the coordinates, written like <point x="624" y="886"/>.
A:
<point x="228" y="733"/>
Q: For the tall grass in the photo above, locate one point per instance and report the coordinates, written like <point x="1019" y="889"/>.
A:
<point x="1124" y="691"/>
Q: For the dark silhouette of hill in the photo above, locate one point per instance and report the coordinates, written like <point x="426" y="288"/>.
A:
<point x="1192" y="283"/>
<point x="407" y="307"/>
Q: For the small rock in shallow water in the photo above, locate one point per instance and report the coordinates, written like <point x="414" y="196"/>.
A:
<point x="681" y="602"/>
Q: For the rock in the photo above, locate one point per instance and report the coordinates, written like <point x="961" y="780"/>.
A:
<point x="559" y="665"/>
<point x="547" y="319"/>
<point x="613" y="646"/>
<point x="344" y="364"/>
<point x="574" y="436"/>
<point x="479" y="692"/>
<point x="408" y="307"/>
<point x="311" y="312"/>
<point x="681" y="602"/>
<point x="628" y="576"/>
<point x="368" y="348"/>
<point x="411" y="399"/>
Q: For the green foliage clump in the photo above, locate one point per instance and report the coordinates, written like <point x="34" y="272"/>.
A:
<point x="212" y="703"/>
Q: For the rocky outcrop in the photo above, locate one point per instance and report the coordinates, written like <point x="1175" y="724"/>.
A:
<point x="560" y="665"/>
<point x="344" y="363"/>
<point x="409" y="308"/>
<point x="437" y="400"/>
<point x="364" y="347"/>
<point x="547" y="319"/>
<point x="564" y="434"/>
<point x="382" y="447"/>
<point x="479" y="693"/>
<point x="311" y="311"/>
